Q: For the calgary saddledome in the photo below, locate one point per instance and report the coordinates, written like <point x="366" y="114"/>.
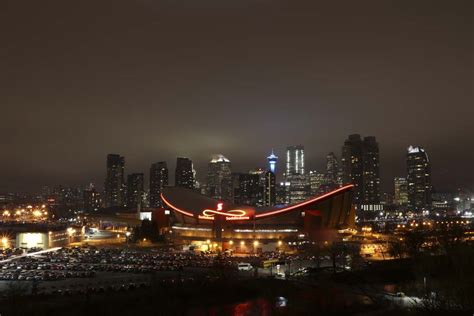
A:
<point x="208" y="223"/>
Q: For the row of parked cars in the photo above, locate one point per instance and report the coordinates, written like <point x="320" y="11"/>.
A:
<point x="86" y="261"/>
<point x="9" y="252"/>
<point x="38" y="275"/>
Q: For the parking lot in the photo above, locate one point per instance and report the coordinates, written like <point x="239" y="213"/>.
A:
<point x="91" y="269"/>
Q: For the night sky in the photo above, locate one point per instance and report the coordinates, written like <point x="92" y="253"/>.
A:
<point x="153" y="80"/>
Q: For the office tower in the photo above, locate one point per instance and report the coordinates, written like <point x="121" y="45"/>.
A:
<point x="247" y="189"/>
<point x="371" y="172"/>
<point x="272" y="160"/>
<point x="134" y="190"/>
<point x="332" y="170"/>
<point x="114" y="182"/>
<point x="282" y="193"/>
<point x="158" y="179"/>
<point x="184" y="174"/>
<point x="269" y="190"/>
<point x="261" y="185"/>
<point x="317" y="182"/>
<point x="91" y="198"/>
<point x="219" y="179"/>
<point x="361" y="167"/>
<point x="295" y="160"/>
<point x="298" y="186"/>
<point x="401" y="191"/>
<point x="352" y="165"/>
<point x="419" y="179"/>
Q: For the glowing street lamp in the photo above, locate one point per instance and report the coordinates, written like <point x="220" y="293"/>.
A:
<point x="5" y="242"/>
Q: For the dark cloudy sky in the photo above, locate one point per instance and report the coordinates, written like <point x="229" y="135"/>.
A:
<point x="152" y="80"/>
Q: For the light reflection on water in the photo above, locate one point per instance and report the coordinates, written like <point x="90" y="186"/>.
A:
<point x="257" y="307"/>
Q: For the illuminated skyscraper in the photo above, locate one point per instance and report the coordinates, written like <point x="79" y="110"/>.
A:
<point x="247" y="189"/>
<point x="158" y="179"/>
<point x="134" y="190"/>
<point x="219" y="179"/>
<point x="269" y="189"/>
<point x="272" y="160"/>
<point x="401" y="191"/>
<point x="295" y="160"/>
<point x="419" y="179"/>
<point x="352" y="165"/>
<point x="295" y="178"/>
<point x="316" y="182"/>
<point x="114" y="181"/>
<point x="184" y="174"/>
<point x="361" y="167"/>
<point x="371" y="172"/>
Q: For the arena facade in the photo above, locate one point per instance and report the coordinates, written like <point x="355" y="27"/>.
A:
<point x="209" y="224"/>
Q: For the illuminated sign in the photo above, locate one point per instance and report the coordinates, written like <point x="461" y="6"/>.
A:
<point x="230" y="215"/>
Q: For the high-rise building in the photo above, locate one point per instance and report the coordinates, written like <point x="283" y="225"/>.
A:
<point x="91" y="198"/>
<point x="371" y="171"/>
<point x="316" y="182"/>
<point x="135" y="190"/>
<point x="295" y="160"/>
<point x="158" y="179"/>
<point x="282" y="193"/>
<point x="400" y="196"/>
<point x="184" y="174"/>
<point x="247" y="189"/>
<point x="256" y="188"/>
<point x="219" y="179"/>
<point x="269" y="190"/>
<point x="332" y="170"/>
<point x="261" y="185"/>
<point x="418" y="178"/>
<point x="298" y="186"/>
<point x="272" y="160"/>
<point x="352" y="165"/>
<point x="114" y="181"/>
<point x="361" y="167"/>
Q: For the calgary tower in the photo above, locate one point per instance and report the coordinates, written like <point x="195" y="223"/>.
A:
<point x="272" y="160"/>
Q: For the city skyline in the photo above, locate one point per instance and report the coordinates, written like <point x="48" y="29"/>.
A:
<point x="157" y="80"/>
<point x="239" y="157"/>
<point x="202" y="169"/>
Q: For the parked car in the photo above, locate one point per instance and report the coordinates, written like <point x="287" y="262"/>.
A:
<point x="244" y="266"/>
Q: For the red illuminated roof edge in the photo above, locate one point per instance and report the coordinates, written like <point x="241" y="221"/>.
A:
<point x="174" y="207"/>
<point x="316" y="199"/>
<point x="282" y="210"/>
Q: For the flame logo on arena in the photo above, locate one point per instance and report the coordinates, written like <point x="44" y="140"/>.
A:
<point x="229" y="215"/>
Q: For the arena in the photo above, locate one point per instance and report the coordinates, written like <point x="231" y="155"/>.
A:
<point x="209" y="224"/>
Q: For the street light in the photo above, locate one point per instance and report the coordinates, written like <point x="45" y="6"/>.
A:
<point x="5" y="242"/>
